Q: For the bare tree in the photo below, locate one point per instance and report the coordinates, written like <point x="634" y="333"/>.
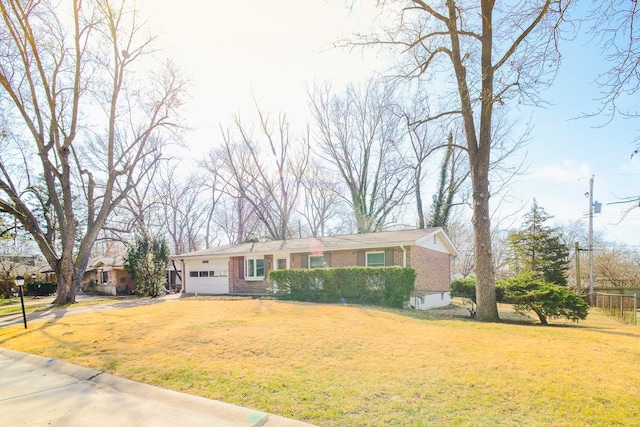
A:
<point x="186" y="204"/>
<point x="322" y="207"/>
<point x="270" y="189"/>
<point x="359" y="134"/>
<point x="422" y="143"/>
<point x="461" y="234"/>
<point x="483" y="55"/>
<point x="618" y="266"/>
<point x="237" y="220"/>
<point x="614" y="21"/>
<point x="82" y="122"/>
<point x="138" y="213"/>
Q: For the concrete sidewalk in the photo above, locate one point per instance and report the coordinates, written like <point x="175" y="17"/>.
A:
<point x="35" y="391"/>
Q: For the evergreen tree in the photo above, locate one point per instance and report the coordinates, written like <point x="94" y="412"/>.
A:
<point x="146" y="261"/>
<point x="539" y="248"/>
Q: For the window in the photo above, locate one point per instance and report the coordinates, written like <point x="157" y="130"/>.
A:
<point x="193" y="274"/>
<point x="254" y="268"/>
<point x="375" y="259"/>
<point x="105" y="276"/>
<point x="281" y="263"/>
<point x="316" y="261"/>
<point x="204" y="274"/>
<point x="223" y="273"/>
<point x="212" y="274"/>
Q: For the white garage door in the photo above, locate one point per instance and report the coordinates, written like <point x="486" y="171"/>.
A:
<point x="208" y="279"/>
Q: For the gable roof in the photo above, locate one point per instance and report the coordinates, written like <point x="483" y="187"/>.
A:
<point x="331" y="243"/>
<point x="105" y="262"/>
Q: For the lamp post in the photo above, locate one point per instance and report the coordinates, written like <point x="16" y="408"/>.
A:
<point x="20" y="284"/>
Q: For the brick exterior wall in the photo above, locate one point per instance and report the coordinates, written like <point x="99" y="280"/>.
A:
<point x="295" y="261"/>
<point x="343" y="259"/>
<point x="432" y="268"/>
<point x="249" y="287"/>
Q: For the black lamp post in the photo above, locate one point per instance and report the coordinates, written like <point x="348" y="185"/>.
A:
<point x="20" y="284"/>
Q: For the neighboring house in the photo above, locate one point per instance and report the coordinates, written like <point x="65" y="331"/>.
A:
<point x="12" y="266"/>
<point x="108" y="273"/>
<point x="243" y="269"/>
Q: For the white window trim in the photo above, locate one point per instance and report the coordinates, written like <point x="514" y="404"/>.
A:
<point x="249" y="278"/>
<point x="287" y="259"/>
<point x="366" y="258"/>
<point x="324" y="262"/>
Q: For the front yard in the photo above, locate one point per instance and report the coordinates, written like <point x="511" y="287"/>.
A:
<point x="336" y="365"/>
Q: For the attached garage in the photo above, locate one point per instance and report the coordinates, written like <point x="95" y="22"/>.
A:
<point x="207" y="277"/>
<point x="244" y="269"/>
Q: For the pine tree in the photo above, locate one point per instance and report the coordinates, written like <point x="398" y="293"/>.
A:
<point x="146" y="261"/>
<point x="539" y="248"/>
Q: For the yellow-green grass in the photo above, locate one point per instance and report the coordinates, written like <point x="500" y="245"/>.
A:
<point x="28" y="308"/>
<point x="336" y="365"/>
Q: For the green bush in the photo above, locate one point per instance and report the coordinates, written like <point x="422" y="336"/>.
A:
<point x="464" y="288"/>
<point x="383" y="286"/>
<point x="547" y="300"/>
<point x="41" y="289"/>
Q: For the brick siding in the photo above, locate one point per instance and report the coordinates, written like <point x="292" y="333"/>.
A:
<point x="432" y="269"/>
<point x="249" y="287"/>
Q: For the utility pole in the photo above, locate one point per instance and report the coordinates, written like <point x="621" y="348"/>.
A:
<point x="591" y="236"/>
<point x="578" y="272"/>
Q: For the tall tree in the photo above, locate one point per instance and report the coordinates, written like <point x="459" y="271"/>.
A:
<point x="186" y="206"/>
<point x="321" y="207"/>
<point x="481" y="54"/>
<point x="539" y="248"/>
<point x="264" y="170"/>
<point x="422" y="142"/>
<point x="80" y="117"/>
<point x="616" y="25"/>
<point x="453" y="174"/>
<point x="359" y="135"/>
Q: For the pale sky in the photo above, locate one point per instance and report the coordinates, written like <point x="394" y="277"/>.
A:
<point x="274" y="49"/>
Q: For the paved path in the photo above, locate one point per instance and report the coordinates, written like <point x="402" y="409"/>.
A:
<point x="55" y="313"/>
<point x="35" y="391"/>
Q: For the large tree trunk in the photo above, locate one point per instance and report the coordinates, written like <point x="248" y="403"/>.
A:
<point x="66" y="283"/>
<point x="485" y="287"/>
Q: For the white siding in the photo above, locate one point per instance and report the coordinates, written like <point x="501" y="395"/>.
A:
<point x="215" y="282"/>
<point x="425" y="302"/>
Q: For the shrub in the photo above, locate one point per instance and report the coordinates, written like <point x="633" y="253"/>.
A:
<point x="384" y="286"/>
<point x="464" y="288"/>
<point x="41" y="289"/>
<point x="146" y="261"/>
<point x="547" y="300"/>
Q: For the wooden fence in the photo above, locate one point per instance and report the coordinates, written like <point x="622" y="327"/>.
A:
<point x="624" y="307"/>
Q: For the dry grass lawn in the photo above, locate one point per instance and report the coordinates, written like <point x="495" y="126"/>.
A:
<point x="338" y="365"/>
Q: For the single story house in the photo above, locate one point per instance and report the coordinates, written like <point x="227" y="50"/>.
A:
<point x="243" y="269"/>
<point x="110" y="277"/>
